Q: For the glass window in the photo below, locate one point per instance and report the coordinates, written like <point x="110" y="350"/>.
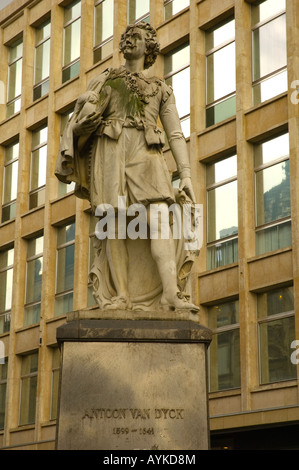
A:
<point x="65" y="269"/>
<point x="171" y="7"/>
<point x="269" y="72"/>
<point x="222" y="217"/>
<point x="33" y="280"/>
<point x="6" y="286"/>
<point x="14" y="89"/>
<point x="272" y="195"/>
<point x="276" y="324"/>
<point x="62" y="187"/>
<point x="177" y="75"/>
<point x="138" y="11"/>
<point x="55" y="382"/>
<point x="103" y="29"/>
<point x="220" y="73"/>
<point x="29" y="370"/>
<point x="42" y="60"/>
<point x="3" y="383"/>
<point x="94" y="244"/>
<point x="224" y="351"/>
<point x="71" y="41"/>
<point x="38" y="167"/>
<point x="10" y="182"/>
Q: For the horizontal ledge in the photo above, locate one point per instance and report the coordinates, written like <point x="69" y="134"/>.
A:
<point x="116" y="330"/>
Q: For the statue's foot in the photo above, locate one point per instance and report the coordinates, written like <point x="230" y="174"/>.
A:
<point x="179" y="302"/>
<point x="119" y="303"/>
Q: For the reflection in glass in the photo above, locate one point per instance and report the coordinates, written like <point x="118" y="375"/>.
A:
<point x="266" y="10"/>
<point x="6" y="286"/>
<point x="65" y="269"/>
<point x="6" y="283"/>
<point x="269" y="47"/>
<point x="222" y="170"/>
<point x="273" y="193"/>
<point x="220" y="35"/>
<point x="15" y="80"/>
<point x="177" y="75"/>
<point x="28" y="389"/>
<point x="138" y="9"/>
<point x="103" y="21"/>
<point x="223" y="212"/>
<point x="220" y="73"/>
<point x="177" y="59"/>
<point x="271" y="150"/>
<point x="276" y="332"/>
<point x="10" y="182"/>
<point x="222" y="206"/>
<point x="55" y="382"/>
<point x="38" y="167"/>
<point x="72" y="11"/>
<point x="171" y="7"/>
<point x="224" y="352"/>
<point x="273" y="238"/>
<point x="103" y="30"/>
<point x="3" y="383"/>
<point x="72" y="42"/>
<point x="179" y="82"/>
<point x="269" y="52"/>
<point x="42" y="67"/>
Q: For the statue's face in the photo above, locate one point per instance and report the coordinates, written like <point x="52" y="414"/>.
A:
<point x="134" y="44"/>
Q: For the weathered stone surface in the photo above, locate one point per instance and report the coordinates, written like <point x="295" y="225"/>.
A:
<point x="133" y="395"/>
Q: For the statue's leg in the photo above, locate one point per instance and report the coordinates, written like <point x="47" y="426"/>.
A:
<point x="117" y="256"/>
<point x="163" y="253"/>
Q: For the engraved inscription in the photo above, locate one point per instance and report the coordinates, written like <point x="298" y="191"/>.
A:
<point x="134" y="413"/>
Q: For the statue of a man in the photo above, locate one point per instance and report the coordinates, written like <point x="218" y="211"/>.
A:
<point x="112" y="147"/>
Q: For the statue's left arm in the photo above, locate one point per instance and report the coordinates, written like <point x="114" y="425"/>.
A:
<point x="172" y="126"/>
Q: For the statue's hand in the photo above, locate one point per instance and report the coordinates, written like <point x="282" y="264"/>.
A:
<point x="88" y="124"/>
<point x="186" y="185"/>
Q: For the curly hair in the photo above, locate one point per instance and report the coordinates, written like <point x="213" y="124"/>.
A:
<point x="152" y="44"/>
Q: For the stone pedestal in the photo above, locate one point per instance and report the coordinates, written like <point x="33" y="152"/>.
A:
<point x="132" y="382"/>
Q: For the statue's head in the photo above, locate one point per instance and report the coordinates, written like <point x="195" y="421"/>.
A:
<point x="152" y="45"/>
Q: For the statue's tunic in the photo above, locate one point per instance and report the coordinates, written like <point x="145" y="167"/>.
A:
<point x="124" y="156"/>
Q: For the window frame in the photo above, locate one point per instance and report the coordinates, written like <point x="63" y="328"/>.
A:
<point x="98" y="47"/>
<point x="7" y="313"/>
<point x="67" y="68"/>
<point x="186" y="117"/>
<point x="25" y="376"/>
<point x="209" y="53"/>
<point x="60" y="247"/>
<point x="266" y="320"/>
<point x="28" y="260"/>
<point x="260" y="168"/>
<point x="145" y="17"/>
<point x="169" y="2"/>
<point x="3" y="382"/>
<point x="5" y="166"/>
<point x="264" y="78"/>
<point x="45" y="81"/>
<point x="212" y="187"/>
<point x="38" y="147"/>
<point x="219" y="330"/>
<point x="17" y="98"/>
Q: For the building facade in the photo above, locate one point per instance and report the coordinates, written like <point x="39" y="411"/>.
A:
<point x="234" y="67"/>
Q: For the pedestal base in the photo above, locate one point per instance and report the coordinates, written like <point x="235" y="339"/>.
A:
<point x="132" y="385"/>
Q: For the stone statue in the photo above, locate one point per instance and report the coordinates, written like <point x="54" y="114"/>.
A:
<point x="112" y="150"/>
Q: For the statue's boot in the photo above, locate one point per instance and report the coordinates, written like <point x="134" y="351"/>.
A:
<point x="179" y="302"/>
<point x="119" y="303"/>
